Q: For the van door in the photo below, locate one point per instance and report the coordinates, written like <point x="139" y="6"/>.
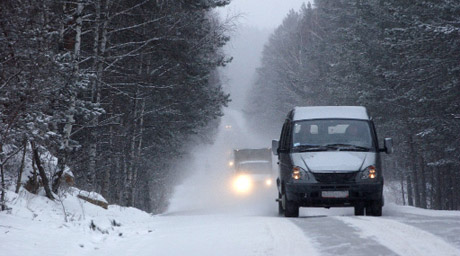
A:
<point x="284" y="158"/>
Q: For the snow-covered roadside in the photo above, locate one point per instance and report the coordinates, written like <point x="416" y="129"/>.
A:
<point x="392" y="209"/>
<point x="36" y="226"/>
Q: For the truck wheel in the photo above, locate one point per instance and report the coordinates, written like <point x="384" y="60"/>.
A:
<point x="291" y="210"/>
<point x="359" y="209"/>
<point x="375" y="208"/>
<point x="369" y="211"/>
<point x="280" y="205"/>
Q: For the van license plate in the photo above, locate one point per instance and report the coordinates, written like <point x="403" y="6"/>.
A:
<point x="334" y="194"/>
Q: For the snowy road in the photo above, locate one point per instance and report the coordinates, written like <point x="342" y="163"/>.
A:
<point x="403" y="231"/>
<point x="251" y="230"/>
<point x="317" y="232"/>
<point x="398" y="233"/>
<point x="204" y="218"/>
<point x="214" y="235"/>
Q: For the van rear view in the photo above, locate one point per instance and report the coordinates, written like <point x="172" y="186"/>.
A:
<point x="330" y="157"/>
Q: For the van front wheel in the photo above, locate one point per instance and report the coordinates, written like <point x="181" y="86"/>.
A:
<point x="291" y="209"/>
<point x="280" y="205"/>
<point x="359" y="209"/>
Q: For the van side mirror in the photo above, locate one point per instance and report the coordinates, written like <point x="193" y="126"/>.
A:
<point x="275" y="145"/>
<point x="388" y="145"/>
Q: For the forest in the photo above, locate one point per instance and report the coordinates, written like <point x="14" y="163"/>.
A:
<point x="400" y="59"/>
<point x="115" y="90"/>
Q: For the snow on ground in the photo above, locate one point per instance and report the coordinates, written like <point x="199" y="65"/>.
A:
<point x="401" y="238"/>
<point x="215" y="235"/>
<point x="37" y="226"/>
<point x="392" y="209"/>
<point x="206" y="218"/>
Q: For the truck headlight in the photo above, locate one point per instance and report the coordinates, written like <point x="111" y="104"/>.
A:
<point x="242" y="184"/>
<point x="369" y="173"/>
<point x="268" y="182"/>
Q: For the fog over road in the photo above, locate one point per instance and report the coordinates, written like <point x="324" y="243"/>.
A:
<point x="213" y="221"/>
<point x="206" y="218"/>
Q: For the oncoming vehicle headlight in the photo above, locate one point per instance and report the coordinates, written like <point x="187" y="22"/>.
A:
<point x="242" y="184"/>
<point x="299" y="173"/>
<point x="268" y="182"/>
<point x="369" y="173"/>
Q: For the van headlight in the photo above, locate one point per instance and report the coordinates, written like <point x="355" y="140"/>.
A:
<point x="298" y="173"/>
<point x="369" y="173"/>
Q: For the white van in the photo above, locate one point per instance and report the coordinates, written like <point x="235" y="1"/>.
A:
<point x="330" y="157"/>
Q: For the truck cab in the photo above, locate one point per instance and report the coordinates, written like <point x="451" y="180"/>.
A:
<point x="330" y="157"/>
<point x="252" y="170"/>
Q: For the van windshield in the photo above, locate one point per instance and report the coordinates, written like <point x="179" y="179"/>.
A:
<point x="332" y="134"/>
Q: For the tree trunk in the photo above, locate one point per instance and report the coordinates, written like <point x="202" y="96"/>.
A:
<point x="451" y="194"/>
<point x="432" y="189"/>
<point x="127" y="180"/>
<point x="439" y="183"/>
<point x="107" y="169"/>
<point x="402" y="189"/>
<point x="92" y="153"/>
<point x="456" y="181"/>
<point x="41" y="171"/>
<point x="410" y="199"/>
<point x="2" y="199"/>
<point x="99" y="46"/>
<point x="415" y="172"/>
<point x="132" y="154"/>
<point x="21" y="168"/>
<point x="423" y="199"/>
<point x="57" y="176"/>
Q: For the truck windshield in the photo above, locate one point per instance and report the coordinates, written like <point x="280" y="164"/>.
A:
<point x="255" y="167"/>
<point x="319" y="135"/>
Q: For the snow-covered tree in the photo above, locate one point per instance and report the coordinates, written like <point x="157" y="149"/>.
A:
<point x="400" y="60"/>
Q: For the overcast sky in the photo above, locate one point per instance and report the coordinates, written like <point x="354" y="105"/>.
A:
<point x="257" y="21"/>
<point x="264" y="14"/>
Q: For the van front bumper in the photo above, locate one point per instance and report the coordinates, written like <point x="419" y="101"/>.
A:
<point x="311" y="195"/>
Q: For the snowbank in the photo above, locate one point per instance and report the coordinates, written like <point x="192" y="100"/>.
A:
<point x="35" y="225"/>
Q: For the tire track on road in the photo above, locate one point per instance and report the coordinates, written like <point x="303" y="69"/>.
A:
<point x="400" y="238"/>
<point x="334" y="237"/>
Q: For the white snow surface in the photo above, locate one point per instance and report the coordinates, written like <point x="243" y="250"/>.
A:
<point x="36" y="226"/>
<point x="401" y="238"/>
<point x="205" y="218"/>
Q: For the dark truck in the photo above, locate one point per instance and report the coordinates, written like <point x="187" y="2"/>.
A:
<point x="330" y="157"/>
<point x="253" y="169"/>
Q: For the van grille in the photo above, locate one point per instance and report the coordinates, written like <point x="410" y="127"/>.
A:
<point x="335" y="177"/>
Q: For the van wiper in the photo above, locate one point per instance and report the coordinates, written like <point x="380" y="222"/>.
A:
<point x="309" y="147"/>
<point x="345" y="147"/>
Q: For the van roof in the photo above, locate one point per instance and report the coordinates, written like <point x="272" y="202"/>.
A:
<point x="326" y="112"/>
